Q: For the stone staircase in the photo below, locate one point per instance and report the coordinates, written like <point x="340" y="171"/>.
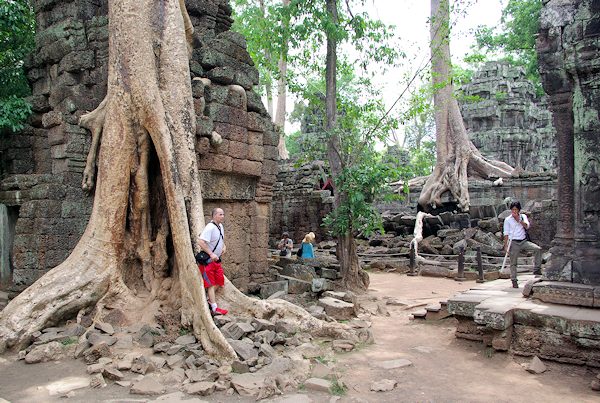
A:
<point x="501" y="317"/>
<point x="435" y="311"/>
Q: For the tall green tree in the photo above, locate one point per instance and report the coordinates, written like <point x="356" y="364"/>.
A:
<point x="17" y="30"/>
<point x="514" y="39"/>
<point x="456" y="156"/>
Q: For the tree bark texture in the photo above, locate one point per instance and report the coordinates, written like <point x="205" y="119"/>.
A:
<point x="353" y="276"/>
<point x="137" y="252"/>
<point x="457" y="157"/>
<point x="282" y="95"/>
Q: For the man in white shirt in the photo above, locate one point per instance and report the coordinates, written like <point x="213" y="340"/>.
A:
<point x="515" y="227"/>
<point x="213" y="243"/>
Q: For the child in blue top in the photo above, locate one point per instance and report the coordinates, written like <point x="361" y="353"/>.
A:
<point x="307" y="248"/>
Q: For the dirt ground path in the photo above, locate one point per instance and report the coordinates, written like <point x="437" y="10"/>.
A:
<point x="444" y="369"/>
<point x="447" y="369"/>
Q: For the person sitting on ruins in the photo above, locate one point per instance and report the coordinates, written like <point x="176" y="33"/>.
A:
<point x="285" y="245"/>
<point x="515" y="229"/>
<point x="307" y="251"/>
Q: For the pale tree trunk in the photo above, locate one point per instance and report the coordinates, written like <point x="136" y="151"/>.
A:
<point x="282" y="95"/>
<point x="457" y="157"/>
<point x="352" y="275"/>
<point x="269" y="94"/>
<point x="122" y="262"/>
<point x="268" y="79"/>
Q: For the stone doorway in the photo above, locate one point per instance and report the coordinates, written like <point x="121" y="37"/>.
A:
<point x="8" y="221"/>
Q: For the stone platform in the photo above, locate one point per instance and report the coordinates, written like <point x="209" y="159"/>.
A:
<point x="501" y="317"/>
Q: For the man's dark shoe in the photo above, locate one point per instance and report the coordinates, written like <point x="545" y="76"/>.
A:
<point x="537" y="272"/>
<point x="515" y="284"/>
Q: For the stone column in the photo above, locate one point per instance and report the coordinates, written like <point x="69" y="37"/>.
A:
<point x="568" y="66"/>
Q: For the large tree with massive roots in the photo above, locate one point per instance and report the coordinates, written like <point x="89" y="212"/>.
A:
<point x="137" y="252"/>
<point x="457" y="157"/>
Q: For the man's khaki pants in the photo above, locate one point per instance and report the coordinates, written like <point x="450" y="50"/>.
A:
<point x="515" y="250"/>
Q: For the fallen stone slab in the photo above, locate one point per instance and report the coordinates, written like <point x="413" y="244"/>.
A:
<point x="338" y="309"/>
<point x="97" y="381"/>
<point x="345" y="296"/>
<point x="273" y="287"/>
<point x="244" y="349"/>
<point x="185" y="340"/>
<point x="94" y="353"/>
<point x="247" y="384"/>
<point x="49" y="352"/>
<point x="147" y="386"/>
<point x="393" y="364"/>
<point x="124" y="342"/>
<point x="295" y="398"/>
<point x="236" y="330"/>
<point x="105" y="327"/>
<point x="142" y="365"/>
<point x="112" y="374"/>
<point x="318" y="384"/>
<point x="343" y="345"/>
<point x="536" y="366"/>
<point x="320" y="370"/>
<point x="384" y="385"/>
<point x="200" y="388"/>
<point x="321" y="284"/>
<point x="240" y="367"/>
<point x="97" y="338"/>
<point x="178" y="397"/>
<point x="262" y="324"/>
<point x="66" y="385"/>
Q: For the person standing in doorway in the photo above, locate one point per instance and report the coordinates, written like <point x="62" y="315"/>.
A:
<point x="515" y="229"/>
<point x="212" y="242"/>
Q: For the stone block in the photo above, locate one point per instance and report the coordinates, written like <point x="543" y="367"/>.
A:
<point x="247" y="384"/>
<point x="330" y="274"/>
<point x="337" y="309"/>
<point x="268" y="289"/>
<point x="296" y="286"/>
<point x="238" y="150"/>
<point x="262" y="324"/>
<point x="564" y="293"/>
<point x="321" y="284"/>
<point x="222" y="75"/>
<point x="236" y="330"/>
<point x="318" y="384"/>
<point x="246" y="167"/>
<point x="147" y="386"/>
<point x="244" y="349"/>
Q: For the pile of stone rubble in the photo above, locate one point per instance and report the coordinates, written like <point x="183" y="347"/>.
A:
<point x="272" y="356"/>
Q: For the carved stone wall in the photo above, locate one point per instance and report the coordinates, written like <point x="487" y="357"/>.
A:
<point x="507" y="121"/>
<point x="568" y="48"/>
<point x="299" y="205"/>
<point x="41" y="167"/>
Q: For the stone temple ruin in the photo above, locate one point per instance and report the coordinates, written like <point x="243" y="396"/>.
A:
<point x="43" y="210"/>
<point x="560" y="319"/>
<point x="507" y="121"/>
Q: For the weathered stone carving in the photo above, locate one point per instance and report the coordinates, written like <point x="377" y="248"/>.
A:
<point x="41" y="168"/>
<point x="508" y="121"/>
<point x="568" y="48"/>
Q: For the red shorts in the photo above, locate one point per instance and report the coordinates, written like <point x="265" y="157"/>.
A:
<point x="212" y="274"/>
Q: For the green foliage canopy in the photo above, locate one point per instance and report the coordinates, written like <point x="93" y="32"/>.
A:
<point x="17" y="30"/>
<point x="515" y="38"/>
